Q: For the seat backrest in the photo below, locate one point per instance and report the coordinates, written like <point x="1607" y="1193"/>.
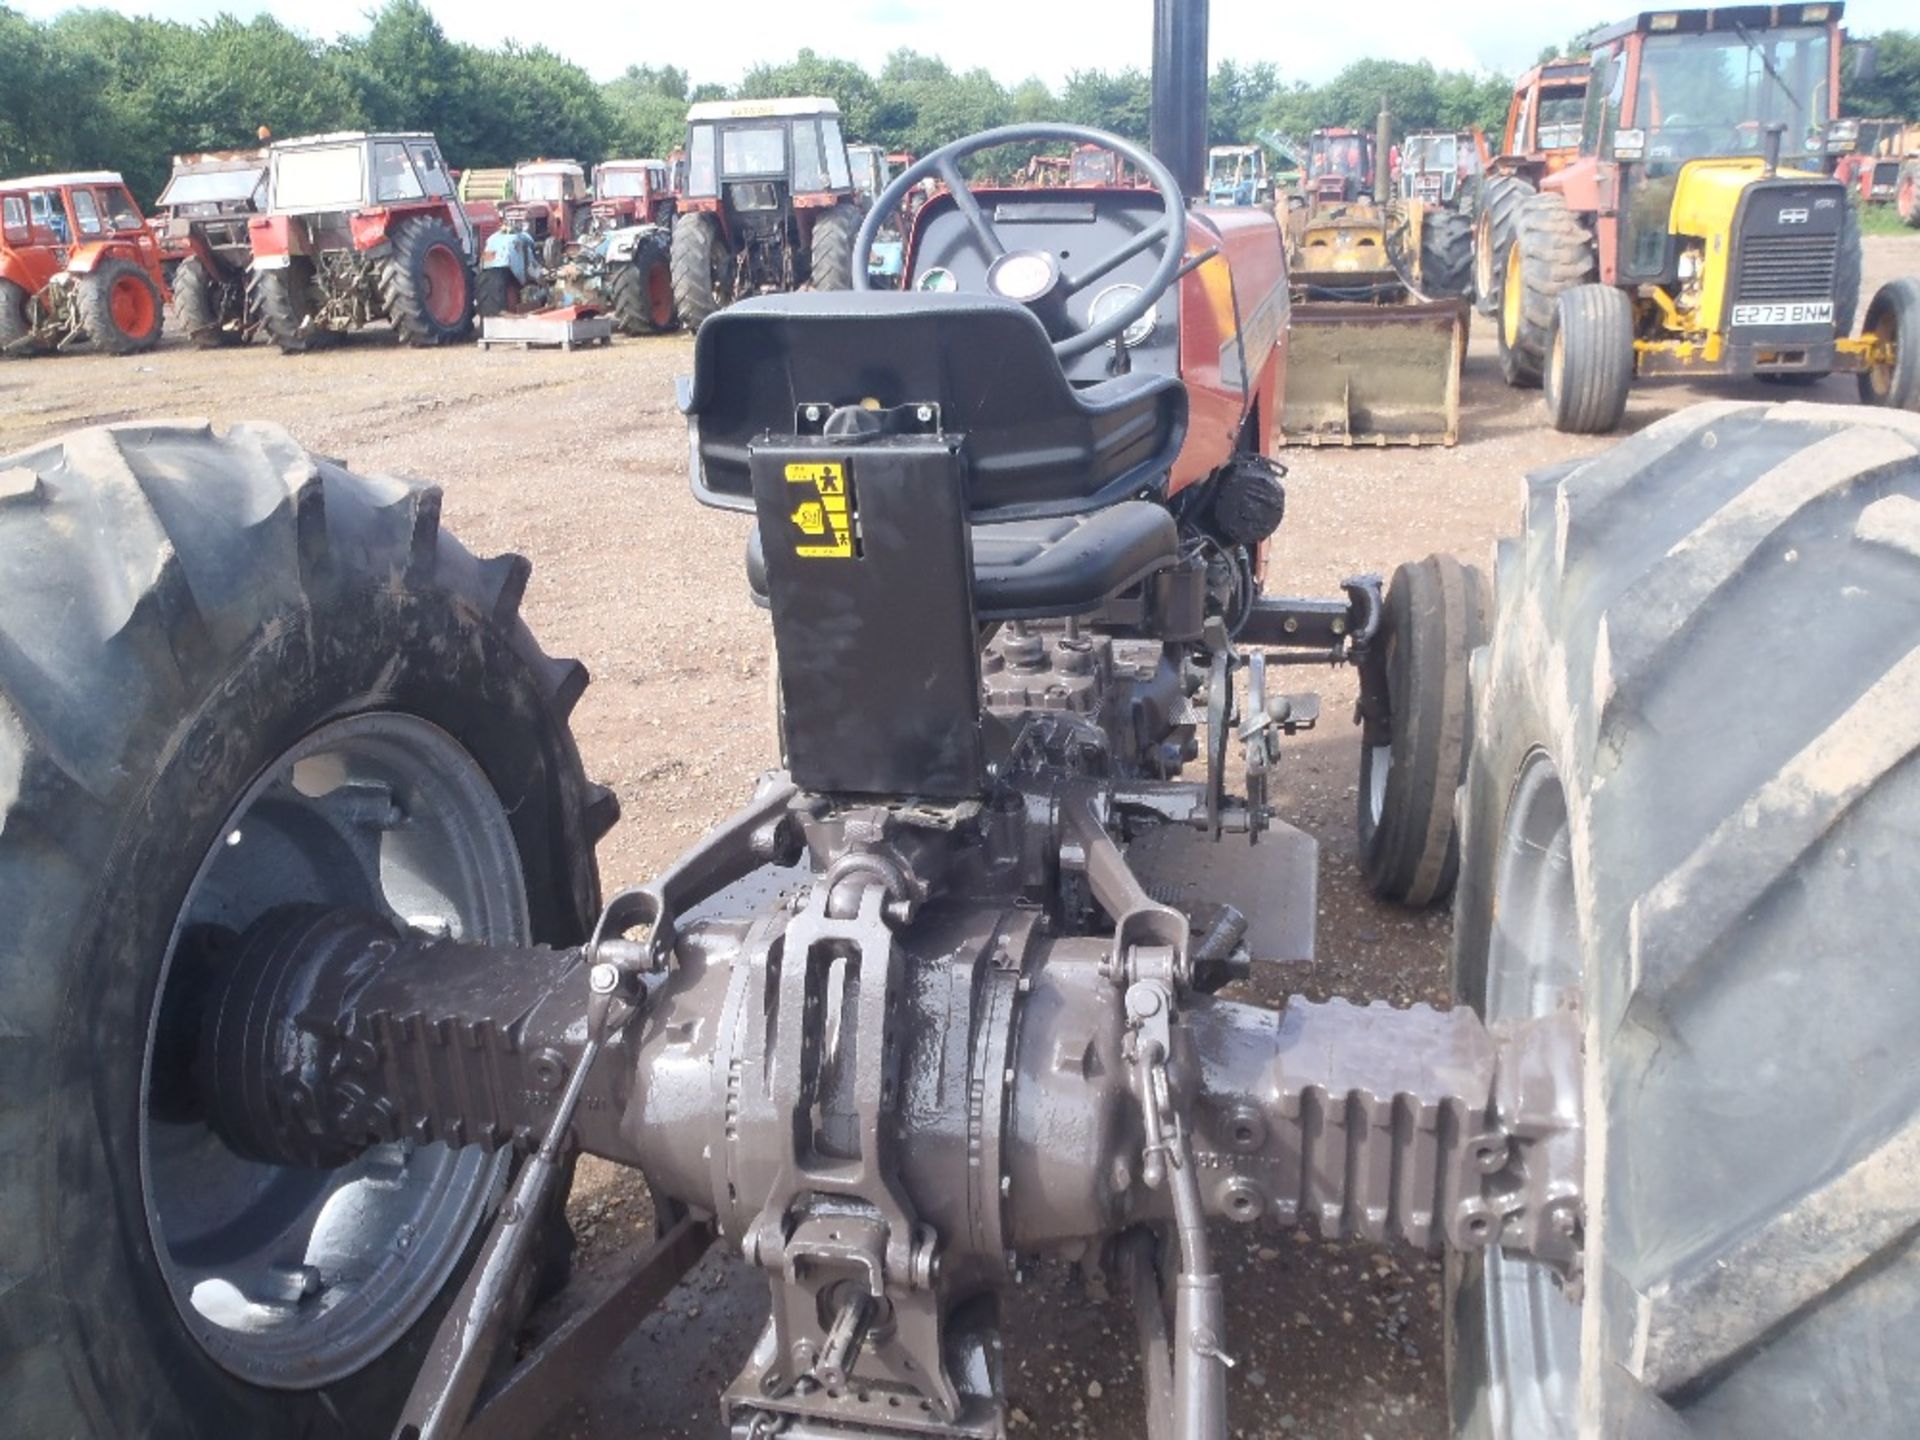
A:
<point x="1036" y="445"/>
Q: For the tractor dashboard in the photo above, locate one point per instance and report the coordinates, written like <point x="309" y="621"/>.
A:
<point x="1060" y="225"/>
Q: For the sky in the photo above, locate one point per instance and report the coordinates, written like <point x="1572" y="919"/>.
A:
<point x="1011" y="38"/>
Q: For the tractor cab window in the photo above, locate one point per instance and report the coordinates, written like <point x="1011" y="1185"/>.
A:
<point x="839" y="177"/>
<point x="702" y="178"/>
<point x="393" y="177"/>
<point x="430" y="168"/>
<point x="13" y="221"/>
<point x="540" y="187"/>
<point x="1715" y="92"/>
<point x="326" y="177"/>
<point x="622" y="184"/>
<point x="1093" y="166"/>
<point x="753" y="150"/>
<point x="121" y="212"/>
<point x="86" y="213"/>
<point x="50" y="215"/>
<point x="1560" y="117"/>
<point x="1601" y="107"/>
<point x="809" y="166"/>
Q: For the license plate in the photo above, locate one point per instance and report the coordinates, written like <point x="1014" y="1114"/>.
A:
<point x="1785" y="312"/>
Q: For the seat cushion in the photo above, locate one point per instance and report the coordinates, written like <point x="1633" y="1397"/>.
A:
<point x="1033" y="569"/>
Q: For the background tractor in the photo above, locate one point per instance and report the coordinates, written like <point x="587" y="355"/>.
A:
<point x="626" y="272"/>
<point x="1542" y="135"/>
<point x="1868" y="155"/>
<point x="1696" y="234"/>
<point x="632" y="192"/>
<point x="202" y="218"/>
<point x="361" y="228"/>
<point x="78" y="262"/>
<point x="769" y="203"/>
<point x="1438" y="168"/>
<point x="551" y="204"/>
<point x="1237" y="175"/>
<point x="1379" y="324"/>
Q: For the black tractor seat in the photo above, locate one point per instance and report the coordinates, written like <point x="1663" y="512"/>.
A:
<point x="1036" y="569"/>
<point x="1037" y="446"/>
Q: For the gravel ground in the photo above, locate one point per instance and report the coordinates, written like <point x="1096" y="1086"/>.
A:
<point x="579" y="461"/>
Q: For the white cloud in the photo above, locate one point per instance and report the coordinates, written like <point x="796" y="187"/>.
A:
<point x="1012" y="38"/>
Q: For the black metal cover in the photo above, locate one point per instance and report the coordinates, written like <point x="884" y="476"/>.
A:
<point x="871" y="586"/>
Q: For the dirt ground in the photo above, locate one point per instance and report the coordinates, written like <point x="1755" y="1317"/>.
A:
<point x="580" y="462"/>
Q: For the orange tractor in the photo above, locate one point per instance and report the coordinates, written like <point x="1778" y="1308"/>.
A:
<point x="1542" y="135"/>
<point x="78" y="262"/>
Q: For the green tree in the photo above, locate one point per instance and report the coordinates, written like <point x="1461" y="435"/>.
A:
<point x="1237" y="98"/>
<point x="810" y="73"/>
<point x="1894" y="89"/>
<point x="1121" y="102"/>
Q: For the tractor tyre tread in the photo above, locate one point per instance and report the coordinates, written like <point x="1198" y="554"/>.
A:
<point x="830" y="253"/>
<point x="403" y="284"/>
<point x="1556" y="254"/>
<point x="1504" y="196"/>
<point x="94" y="297"/>
<point x="1590" y="360"/>
<point x="1895" y="309"/>
<point x="493" y="292"/>
<point x="630" y="291"/>
<point x="1446" y="256"/>
<point x="1849" y="264"/>
<point x="197" y="304"/>
<point x="177" y="607"/>
<point x="279" y="306"/>
<point x="1907" y="194"/>
<point x="695" y="247"/>
<point x="14" y="324"/>
<point x="1744" y="917"/>
<point x="1435" y="617"/>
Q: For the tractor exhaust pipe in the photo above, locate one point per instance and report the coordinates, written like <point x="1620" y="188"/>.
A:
<point x="1382" y="155"/>
<point x="1180" y="90"/>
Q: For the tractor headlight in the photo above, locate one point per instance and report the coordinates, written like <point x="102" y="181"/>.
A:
<point x="1689" y="264"/>
<point x="1114" y="299"/>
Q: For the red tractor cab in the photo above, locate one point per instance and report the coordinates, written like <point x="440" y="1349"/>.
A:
<point x="78" y="262"/>
<point x="1339" y="166"/>
<point x="551" y="203"/>
<point x="1095" y="166"/>
<point x="631" y="192"/>
<point x="361" y="228"/>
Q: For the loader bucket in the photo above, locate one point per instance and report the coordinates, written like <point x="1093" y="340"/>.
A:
<point x="1374" y="374"/>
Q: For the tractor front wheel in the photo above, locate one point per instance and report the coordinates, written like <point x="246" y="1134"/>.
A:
<point x="1894" y="320"/>
<point x="1698" y="857"/>
<point x="1446" y="255"/>
<point x="830" y="251"/>
<point x="640" y="292"/>
<point x="496" y="292"/>
<point x="427" y="284"/>
<point x="235" y="676"/>
<point x="1413" y="756"/>
<point x="1590" y="360"/>
<point x="120" y="308"/>
<point x="1551" y="253"/>
<point x="702" y="269"/>
<point x="197" y="300"/>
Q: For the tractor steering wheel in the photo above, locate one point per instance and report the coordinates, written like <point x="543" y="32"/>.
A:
<point x="1033" y="276"/>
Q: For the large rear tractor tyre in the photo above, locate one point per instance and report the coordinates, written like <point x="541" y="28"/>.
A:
<point x="495" y="292"/>
<point x="1446" y="256"/>
<point x="15" y="321"/>
<point x="1894" y="318"/>
<point x="830" y="252"/>
<point x="427" y="284"/>
<point x="1413" y="757"/>
<point x="120" y="308"/>
<point x="641" y="292"/>
<point x="1849" y="264"/>
<point x="1493" y="237"/>
<point x="197" y="301"/>
<point x="1590" y="360"/>
<point x="235" y="676"/>
<point x="283" y="306"/>
<point x="702" y="269"/>
<point x="1552" y="251"/>
<point x="1702" y="858"/>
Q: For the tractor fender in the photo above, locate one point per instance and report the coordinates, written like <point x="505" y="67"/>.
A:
<point x="369" y="228"/>
<point x="623" y="244"/>
<point x="275" y="240"/>
<point x="85" y="258"/>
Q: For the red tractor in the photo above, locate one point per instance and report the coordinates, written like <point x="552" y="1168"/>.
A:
<point x="362" y="228"/>
<point x="1542" y="136"/>
<point x="78" y="262"/>
<point x="769" y="203"/>
<point x="551" y="203"/>
<point x="631" y="192"/>
<point x="202" y="220"/>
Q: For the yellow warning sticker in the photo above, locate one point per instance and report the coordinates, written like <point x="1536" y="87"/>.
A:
<point x="825" y="517"/>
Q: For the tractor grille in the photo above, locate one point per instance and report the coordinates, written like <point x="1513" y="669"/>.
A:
<point x="1787" y="267"/>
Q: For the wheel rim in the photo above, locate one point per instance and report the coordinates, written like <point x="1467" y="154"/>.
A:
<point x="446" y="285"/>
<point x="130" y="303"/>
<point x="385" y="812"/>
<point x="1379" y="765"/>
<point x="1510" y="294"/>
<point x="1534" y="969"/>
<point x="1556" y="366"/>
